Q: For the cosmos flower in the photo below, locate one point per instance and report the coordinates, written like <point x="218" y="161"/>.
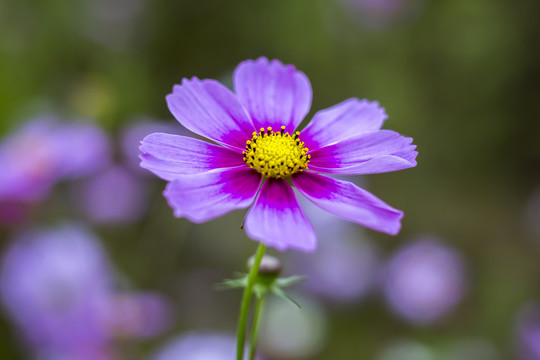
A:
<point x="259" y="153"/>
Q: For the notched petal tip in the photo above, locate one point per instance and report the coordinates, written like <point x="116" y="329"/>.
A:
<point x="263" y="60"/>
<point x="273" y="94"/>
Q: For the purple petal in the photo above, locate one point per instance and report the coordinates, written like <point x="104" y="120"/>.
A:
<point x="371" y="153"/>
<point x="347" y="119"/>
<point x="168" y="155"/>
<point x="277" y="220"/>
<point x="205" y="196"/>
<point x="211" y="110"/>
<point x="274" y="94"/>
<point x="348" y="201"/>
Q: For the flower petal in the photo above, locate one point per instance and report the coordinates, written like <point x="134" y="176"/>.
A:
<point x="371" y="153"/>
<point x="277" y="220"/>
<point x="274" y="94"/>
<point x="205" y="196"/>
<point x="168" y="155"/>
<point x="347" y="119"/>
<point x="344" y="199"/>
<point x="211" y="110"/>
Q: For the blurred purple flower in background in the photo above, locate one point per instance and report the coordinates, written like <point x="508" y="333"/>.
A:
<point x="58" y="287"/>
<point x="55" y="286"/>
<point x="424" y="280"/>
<point x="199" y="346"/>
<point x="119" y="194"/>
<point x="113" y="196"/>
<point x="256" y="128"/>
<point x="528" y="333"/>
<point x="46" y="150"/>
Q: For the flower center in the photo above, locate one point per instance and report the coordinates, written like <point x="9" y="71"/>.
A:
<point x="276" y="154"/>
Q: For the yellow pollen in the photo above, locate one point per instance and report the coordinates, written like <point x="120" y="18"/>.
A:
<point x="276" y="154"/>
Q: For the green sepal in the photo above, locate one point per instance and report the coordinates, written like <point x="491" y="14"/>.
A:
<point x="264" y="284"/>
<point x="238" y="283"/>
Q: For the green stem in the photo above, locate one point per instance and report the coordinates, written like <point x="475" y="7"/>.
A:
<point x="255" y="326"/>
<point x="246" y="301"/>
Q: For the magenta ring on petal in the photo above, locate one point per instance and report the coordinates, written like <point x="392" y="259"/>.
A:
<point x="259" y="153"/>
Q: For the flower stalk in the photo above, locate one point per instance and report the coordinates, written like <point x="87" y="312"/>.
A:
<point x="255" y="326"/>
<point x="246" y="301"/>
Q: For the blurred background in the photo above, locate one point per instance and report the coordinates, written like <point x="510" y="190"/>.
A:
<point x="95" y="266"/>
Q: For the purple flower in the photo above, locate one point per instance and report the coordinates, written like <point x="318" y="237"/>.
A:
<point x="528" y="333"/>
<point x="55" y="285"/>
<point x="114" y="196"/>
<point x="43" y="151"/>
<point x="254" y="166"/>
<point x="424" y="280"/>
<point x="199" y="346"/>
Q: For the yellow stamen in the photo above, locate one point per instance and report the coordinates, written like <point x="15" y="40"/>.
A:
<point x="276" y="154"/>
